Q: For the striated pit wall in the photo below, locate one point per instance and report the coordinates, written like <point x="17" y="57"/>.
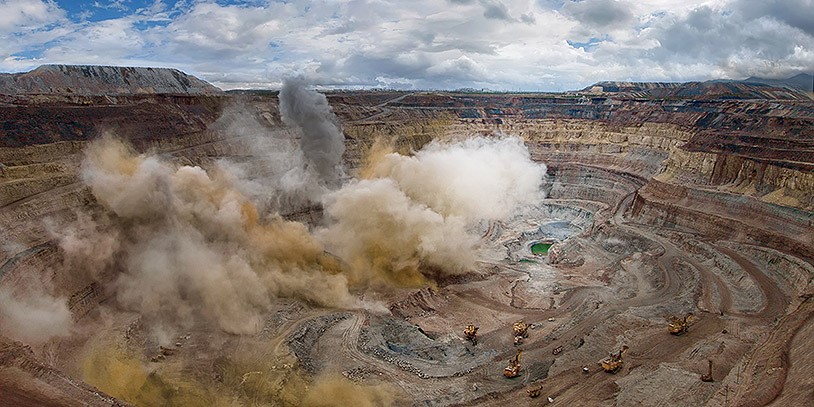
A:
<point x="729" y="167"/>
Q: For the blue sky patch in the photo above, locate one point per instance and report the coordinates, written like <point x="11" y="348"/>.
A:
<point x="589" y="46"/>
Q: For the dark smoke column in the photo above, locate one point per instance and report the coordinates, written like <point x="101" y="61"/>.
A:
<point x="322" y="141"/>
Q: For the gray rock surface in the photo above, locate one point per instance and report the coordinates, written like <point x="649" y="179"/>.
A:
<point x="90" y="80"/>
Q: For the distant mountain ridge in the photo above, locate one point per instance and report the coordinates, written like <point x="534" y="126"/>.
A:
<point x="717" y="89"/>
<point x="96" y="80"/>
<point x="804" y="82"/>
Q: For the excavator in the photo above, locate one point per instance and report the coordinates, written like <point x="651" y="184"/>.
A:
<point x="513" y="369"/>
<point x="521" y="330"/>
<point x="471" y="333"/>
<point x="614" y="362"/>
<point x="678" y="326"/>
<point x="163" y="353"/>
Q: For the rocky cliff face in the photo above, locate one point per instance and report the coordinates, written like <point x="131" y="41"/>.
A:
<point x="747" y="163"/>
<point x="711" y="90"/>
<point x="56" y="103"/>
<point x="759" y="147"/>
<point x="764" y="129"/>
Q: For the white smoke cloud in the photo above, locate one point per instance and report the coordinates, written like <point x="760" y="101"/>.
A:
<point x="477" y="178"/>
<point x="417" y="210"/>
<point x="33" y="316"/>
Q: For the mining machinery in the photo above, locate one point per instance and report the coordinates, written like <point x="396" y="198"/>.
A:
<point x="678" y="326"/>
<point x="614" y="362"/>
<point x="521" y="331"/>
<point x="163" y="353"/>
<point x="513" y="369"/>
<point x="471" y="333"/>
<point x="535" y="391"/>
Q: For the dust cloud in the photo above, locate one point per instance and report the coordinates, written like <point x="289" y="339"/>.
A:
<point x="322" y="141"/>
<point x="88" y="246"/>
<point x="414" y="214"/>
<point x="31" y="312"/>
<point x="289" y="169"/>
<point x="251" y="373"/>
<point x="476" y="178"/>
<point x="275" y="175"/>
<point x="118" y="371"/>
<point x="182" y="244"/>
<point x="186" y="244"/>
<point x="33" y="316"/>
<point x="191" y="246"/>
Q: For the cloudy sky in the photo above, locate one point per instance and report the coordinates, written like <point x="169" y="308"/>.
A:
<point x="419" y="44"/>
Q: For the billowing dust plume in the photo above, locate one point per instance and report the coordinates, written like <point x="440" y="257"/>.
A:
<point x="286" y="169"/>
<point x="416" y="214"/>
<point x="184" y="244"/>
<point x="31" y="311"/>
<point x="191" y="245"/>
<point x="33" y="316"/>
<point x="273" y="172"/>
<point x="322" y="141"/>
<point x="188" y="244"/>
<point x="253" y="373"/>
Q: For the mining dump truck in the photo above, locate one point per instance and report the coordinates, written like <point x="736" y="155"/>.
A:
<point x="614" y="362"/>
<point x="513" y="369"/>
<point x="535" y="392"/>
<point x="471" y="333"/>
<point x="678" y="326"/>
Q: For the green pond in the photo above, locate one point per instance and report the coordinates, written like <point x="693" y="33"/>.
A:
<point x="540" y="248"/>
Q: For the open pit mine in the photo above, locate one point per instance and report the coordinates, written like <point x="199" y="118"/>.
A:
<point x="633" y="244"/>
